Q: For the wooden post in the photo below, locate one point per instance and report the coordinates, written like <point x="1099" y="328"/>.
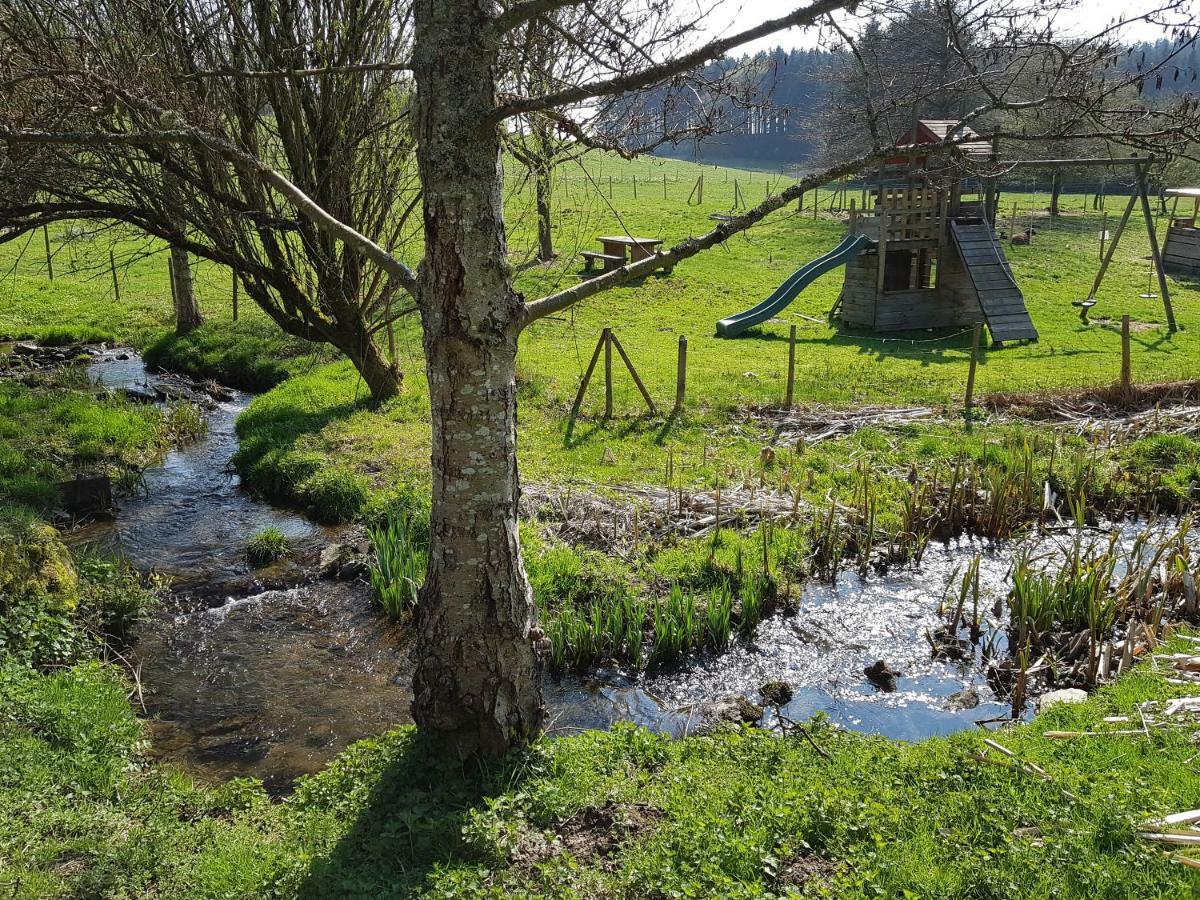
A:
<point x="235" y="295"/>
<point x="1126" y="361"/>
<point x="970" y="398"/>
<point x="633" y="372"/>
<point x="1152" y="229"/>
<point x="49" y="257"/>
<point x="700" y="199"/>
<point x="608" y="384"/>
<point x="635" y="187"/>
<point x="587" y="377"/>
<point x="664" y="185"/>
<point x="791" y="375"/>
<point x="680" y="376"/>
<point x="609" y="187"/>
<point x="112" y="264"/>
<point x="1103" y="234"/>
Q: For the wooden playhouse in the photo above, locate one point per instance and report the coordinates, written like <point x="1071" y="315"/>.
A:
<point x="932" y="260"/>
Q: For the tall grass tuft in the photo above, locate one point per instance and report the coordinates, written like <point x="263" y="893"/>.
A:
<point x="399" y="566"/>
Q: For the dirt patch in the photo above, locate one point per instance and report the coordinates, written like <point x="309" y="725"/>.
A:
<point x="1134" y="327"/>
<point x="800" y="871"/>
<point x="594" y="834"/>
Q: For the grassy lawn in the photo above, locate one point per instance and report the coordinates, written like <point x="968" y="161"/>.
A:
<point x="323" y="412"/>
<point x="616" y="814"/>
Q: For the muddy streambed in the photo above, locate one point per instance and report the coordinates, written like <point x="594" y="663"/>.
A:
<point x="274" y="683"/>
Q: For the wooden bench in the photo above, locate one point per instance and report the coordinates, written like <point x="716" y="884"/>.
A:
<point x="609" y="260"/>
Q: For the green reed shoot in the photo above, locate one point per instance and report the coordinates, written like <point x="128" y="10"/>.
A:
<point x="399" y="567"/>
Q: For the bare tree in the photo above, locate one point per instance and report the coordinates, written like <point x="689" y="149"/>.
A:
<point x="136" y="68"/>
<point x="476" y="665"/>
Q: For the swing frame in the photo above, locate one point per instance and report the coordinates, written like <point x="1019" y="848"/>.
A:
<point x="1140" y="193"/>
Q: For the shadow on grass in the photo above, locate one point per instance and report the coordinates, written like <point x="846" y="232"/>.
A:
<point x="411" y="821"/>
<point x="575" y="437"/>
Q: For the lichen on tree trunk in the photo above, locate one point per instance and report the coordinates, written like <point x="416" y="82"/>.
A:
<point x="475" y="681"/>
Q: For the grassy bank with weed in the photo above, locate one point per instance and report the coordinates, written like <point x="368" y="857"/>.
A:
<point x="739" y="813"/>
<point x="56" y="424"/>
<point x="253" y="357"/>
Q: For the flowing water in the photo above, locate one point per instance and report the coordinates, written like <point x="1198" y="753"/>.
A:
<point x="191" y="521"/>
<point x="275" y="683"/>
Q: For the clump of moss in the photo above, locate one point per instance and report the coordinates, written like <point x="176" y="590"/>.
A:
<point x="35" y="565"/>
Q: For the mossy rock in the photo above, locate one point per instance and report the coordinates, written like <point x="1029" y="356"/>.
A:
<point x="35" y="565"/>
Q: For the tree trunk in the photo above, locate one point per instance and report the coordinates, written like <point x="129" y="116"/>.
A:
<point x="1055" y="192"/>
<point x="476" y="680"/>
<point x="183" y="289"/>
<point x="383" y="379"/>
<point x="543" y="186"/>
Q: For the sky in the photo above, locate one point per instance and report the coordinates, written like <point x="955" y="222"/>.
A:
<point x="732" y="16"/>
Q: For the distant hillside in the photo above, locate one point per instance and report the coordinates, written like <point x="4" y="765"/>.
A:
<point x="795" y="88"/>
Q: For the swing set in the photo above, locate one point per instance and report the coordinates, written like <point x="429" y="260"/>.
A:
<point x="1140" y="195"/>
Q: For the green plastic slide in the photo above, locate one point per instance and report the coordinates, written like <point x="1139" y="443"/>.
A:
<point x="790" y="289"/>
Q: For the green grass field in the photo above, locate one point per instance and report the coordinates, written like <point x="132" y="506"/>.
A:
<point x="322" y="413"/>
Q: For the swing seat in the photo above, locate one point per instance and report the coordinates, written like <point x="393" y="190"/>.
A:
<point x="1084" y="304"/>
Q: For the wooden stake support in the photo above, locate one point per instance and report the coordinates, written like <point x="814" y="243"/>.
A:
<point x="612" y="339"/>
<point x="607" y="341"/>
<point x="606" y="336"/>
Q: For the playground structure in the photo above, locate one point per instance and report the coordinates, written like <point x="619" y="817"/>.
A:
<point x="926" y="256"/>
<point x="1181" y="249"/>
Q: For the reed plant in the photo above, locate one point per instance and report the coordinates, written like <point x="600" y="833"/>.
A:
<point x="399" y="566"/>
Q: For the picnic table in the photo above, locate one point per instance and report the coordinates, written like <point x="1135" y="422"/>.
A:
<point x="619" y="249"/>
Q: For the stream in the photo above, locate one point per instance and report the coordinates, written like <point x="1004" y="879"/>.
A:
<point x="274" y="683"/>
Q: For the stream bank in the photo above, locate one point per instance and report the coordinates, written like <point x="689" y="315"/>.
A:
<point x="270" y="675"/>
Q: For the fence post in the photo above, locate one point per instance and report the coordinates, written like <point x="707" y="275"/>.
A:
<point x="635" y="187"/>
<point x="791" y="375"/>
<point x="112" y="265"/>
<point x="664" y="185"/>
<point x="1126" y="361"/>
<point x="681" y="376"/>
<point x="235" y="294"/>
<point x="608" y="381"/>
<point x="49" y="258"/>
<point x="970" y="398"/>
